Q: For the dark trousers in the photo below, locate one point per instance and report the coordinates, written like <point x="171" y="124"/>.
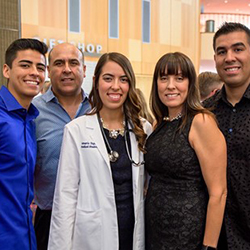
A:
<point x="42" y="225"/>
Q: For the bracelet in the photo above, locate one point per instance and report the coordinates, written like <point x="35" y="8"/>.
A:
<point x="207" y="248"/>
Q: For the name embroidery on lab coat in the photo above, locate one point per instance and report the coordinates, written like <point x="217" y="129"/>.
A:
<point x="88" y="145"/>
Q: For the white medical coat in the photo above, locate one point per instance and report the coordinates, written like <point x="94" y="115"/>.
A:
<point x="84" y="210"/>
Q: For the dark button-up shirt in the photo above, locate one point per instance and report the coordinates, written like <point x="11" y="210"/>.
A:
<point x="234" y="122"/>
<point x="17" y="163"/>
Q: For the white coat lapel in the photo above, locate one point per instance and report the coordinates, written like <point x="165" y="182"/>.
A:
<point x="96" y="135"/>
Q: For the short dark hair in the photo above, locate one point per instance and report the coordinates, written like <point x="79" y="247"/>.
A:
<point x="208" y="81"/>
<point x="24" y="44"/>
<point x="230" y="27"/>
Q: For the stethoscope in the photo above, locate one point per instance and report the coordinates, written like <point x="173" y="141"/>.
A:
<point x="139" y="163"/>
<point x="112" y="154"/>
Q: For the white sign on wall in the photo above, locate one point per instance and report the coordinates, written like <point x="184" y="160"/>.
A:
<point x="89" y="48"/>
<point x="90" y="65"/>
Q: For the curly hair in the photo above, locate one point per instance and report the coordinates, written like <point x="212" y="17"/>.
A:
<point x="144" y="112"/>
<point x="131" y="105"/>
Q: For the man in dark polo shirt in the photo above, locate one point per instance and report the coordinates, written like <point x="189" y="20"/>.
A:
<point x="232" y="108"/>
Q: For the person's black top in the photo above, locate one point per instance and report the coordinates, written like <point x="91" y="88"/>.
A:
<point x="176" y="201"/>
<point x="234" y="122"/>
<point x="122" y="178"/>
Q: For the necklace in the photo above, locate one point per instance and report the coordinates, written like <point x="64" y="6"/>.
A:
<point x="167" y="118"/>
<point x="113" y="133"/>
<point x="113" y="155"/>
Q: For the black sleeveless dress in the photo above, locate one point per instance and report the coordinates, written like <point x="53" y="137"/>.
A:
<point x="177" y="196"/>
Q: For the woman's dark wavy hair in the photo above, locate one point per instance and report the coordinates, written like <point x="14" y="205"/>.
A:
<point x="131" y="105"/>
<point x="171" y="64"/>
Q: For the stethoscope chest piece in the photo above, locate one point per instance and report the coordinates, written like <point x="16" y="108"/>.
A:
<point x="113" y="156"/>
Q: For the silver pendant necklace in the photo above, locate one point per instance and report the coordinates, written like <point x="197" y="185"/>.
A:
<point x="113" y="155"/>
<point x="167" y="118"/>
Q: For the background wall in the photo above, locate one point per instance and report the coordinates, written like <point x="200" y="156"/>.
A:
<point x="9" y="28"/>
<point x="175" y="26"/>
<point x="207" y="53"/>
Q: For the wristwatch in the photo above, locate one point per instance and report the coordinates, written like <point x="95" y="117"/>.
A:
<point x="207" y="248"/>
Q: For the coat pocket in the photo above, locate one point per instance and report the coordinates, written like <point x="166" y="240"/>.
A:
<point x="87" y="231"/>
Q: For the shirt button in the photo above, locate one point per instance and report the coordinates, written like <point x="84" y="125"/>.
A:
<point x="234" y="110"/>
<point x="230" y="130"/>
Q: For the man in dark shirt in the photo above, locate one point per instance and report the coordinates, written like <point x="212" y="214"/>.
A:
<point x="232" y="108"/>
<point x="24" y="69"/>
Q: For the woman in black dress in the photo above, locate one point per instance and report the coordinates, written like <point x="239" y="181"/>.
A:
<point x="186" y="158"/>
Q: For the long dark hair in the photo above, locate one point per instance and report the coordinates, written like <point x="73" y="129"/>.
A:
<point x="170" y="64"/>
<point x="131" y="105"/>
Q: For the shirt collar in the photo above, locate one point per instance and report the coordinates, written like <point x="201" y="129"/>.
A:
<point x="49" y="96"/>
<point x="247" y="92"/>
<point x="222" y="94"/>
<point x="9" y="100"/>
<point x="12" y="104"/>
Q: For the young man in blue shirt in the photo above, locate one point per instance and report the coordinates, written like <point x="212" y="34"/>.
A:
<point x="24" y="69"/>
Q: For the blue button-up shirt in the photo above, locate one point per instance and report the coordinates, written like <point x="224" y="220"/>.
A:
<point x="49" y="133"/>
<point x="17" y="163"/>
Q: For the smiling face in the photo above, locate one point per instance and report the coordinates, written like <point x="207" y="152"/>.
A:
<point x="26" y="76"/>
<point x="66" y="70"/>
<point x="232" y="58"/>
<point x="113" y="87"/>
<point x="173" y="91"/>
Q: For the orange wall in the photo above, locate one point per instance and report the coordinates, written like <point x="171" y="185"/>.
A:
<point x="174" y="27"/>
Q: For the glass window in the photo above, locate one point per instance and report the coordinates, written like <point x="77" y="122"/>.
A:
<point x="113" y="18"/>
<point x="74" y="15"/>
<point x="146" y="21"/>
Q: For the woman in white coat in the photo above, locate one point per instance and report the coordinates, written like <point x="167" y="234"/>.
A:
<point x="98" y="201"/>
